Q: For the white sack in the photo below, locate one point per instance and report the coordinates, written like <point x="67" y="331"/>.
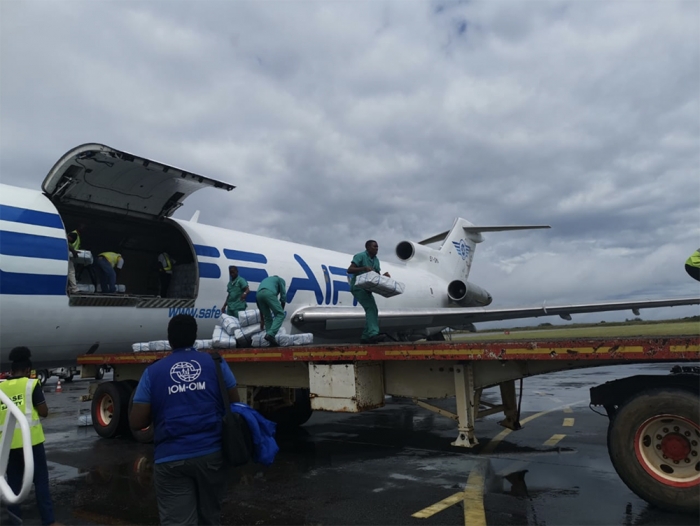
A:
<point x="202" y="344"/>
<point x="230" y="323"/>
<point x="84" y="257"/>
<point x="304" y="338"/>
<point x="221" y="340"/>
<point x="249" y="317"/>
<point x="159" y="345"/>
<point x="382" y="285"/>
<point x="138" y="347"/>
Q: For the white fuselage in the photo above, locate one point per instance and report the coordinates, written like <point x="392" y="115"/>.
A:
<point x="35" y="310"/>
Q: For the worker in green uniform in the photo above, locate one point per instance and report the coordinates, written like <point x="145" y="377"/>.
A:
<point x="692" y="265"/>
<point x="270" y="289"/>
<point x="237" y="290"/>
<point x="367" y="261"/>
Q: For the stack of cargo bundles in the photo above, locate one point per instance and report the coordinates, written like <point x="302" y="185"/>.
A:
<point x="230" y="323"/>
<point x="283" y="339"/>
<point x="382" y="285"/>
<point x="221" y="339"/>
<point x="159" y="345"/>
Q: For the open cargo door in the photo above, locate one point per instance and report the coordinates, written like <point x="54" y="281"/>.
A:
<point x="98" y="177"/>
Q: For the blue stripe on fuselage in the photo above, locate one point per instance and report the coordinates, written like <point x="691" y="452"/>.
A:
<point x="240" y="255"/>
<point x="32" y="284"/>
<point x="205" y="250"/>
<point x="209" y="270"/>
<point x="30" y="217"/>
<point x="32" y="246"/>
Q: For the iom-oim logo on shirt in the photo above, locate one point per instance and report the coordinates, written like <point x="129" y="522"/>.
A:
<point x="185" y="375"/>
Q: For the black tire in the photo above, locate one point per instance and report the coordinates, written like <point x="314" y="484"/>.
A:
<point x="632" y="439"/>
<point x="100" y="373"/>
<point x="109" y="410"/>
<point x="68" y="379"/>
<point x="145" y="435"/>
<point x="295" y="415"/>
<point x="42" y="375"/>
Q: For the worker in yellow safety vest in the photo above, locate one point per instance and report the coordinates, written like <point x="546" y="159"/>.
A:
<point x="692" y="265"/>
<point x="27" y="395"/>
<point x="165" y="272"/>
<point x="107" y="265"/>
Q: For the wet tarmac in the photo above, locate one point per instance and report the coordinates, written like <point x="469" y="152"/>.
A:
<point x="379" y="467"/>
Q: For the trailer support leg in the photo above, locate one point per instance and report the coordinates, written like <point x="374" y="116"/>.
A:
<point x="510" y="406"/>
<point x="466" y="405"/>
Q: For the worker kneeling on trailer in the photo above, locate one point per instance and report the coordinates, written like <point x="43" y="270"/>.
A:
<point x="181" y="395"/>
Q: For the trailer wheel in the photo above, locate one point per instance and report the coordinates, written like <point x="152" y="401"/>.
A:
<point x="109" y="409"/>
<point x="295" y="415"/>
<point x="42" y="375"/>
<point x="654" y="445"/>
<point x="145" y="435"/>
<point x="100" y="373"/>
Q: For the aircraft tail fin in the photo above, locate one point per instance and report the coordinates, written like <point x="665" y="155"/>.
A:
<point x="457" y="250"/>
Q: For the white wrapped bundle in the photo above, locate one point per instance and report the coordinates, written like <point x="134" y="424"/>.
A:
<point x="382" y="285"/>
<point x="284" y="340"/>
<point x="249" y="317"/>
<point x="143" y="346"/>
<point x="304" y="338"/>
<point x="221" y="340"/>
<point x="84" y="257"/>
<point x="207" y="344"/>
<point x="202" y="344"/>
<point x="244" y="334"/>
<point x="258" y="340"/>
<point x="230" y="323"/>
<point x="84" y="287"/>
<point x="120" y="288"/>
<point x="159" y="345"/>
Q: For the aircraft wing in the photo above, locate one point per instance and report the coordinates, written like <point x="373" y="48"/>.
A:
<point x="337" y="321"/>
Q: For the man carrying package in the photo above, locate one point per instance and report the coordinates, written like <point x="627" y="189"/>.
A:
<point x="367" y="261"/>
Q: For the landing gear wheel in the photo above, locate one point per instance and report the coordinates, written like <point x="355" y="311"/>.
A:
<point x="42" y="375"/>
<point x="654" y="444"/>
<point x="109" y="410"/>
<point x="145" y="435"/>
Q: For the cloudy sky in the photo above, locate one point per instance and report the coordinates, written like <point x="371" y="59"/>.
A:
<point x="351" y="120"/>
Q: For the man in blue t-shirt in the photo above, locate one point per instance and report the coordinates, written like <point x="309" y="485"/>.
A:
<point x="180" y="395"/>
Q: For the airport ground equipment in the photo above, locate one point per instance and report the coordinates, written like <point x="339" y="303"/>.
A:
<point x="654" y="427"/>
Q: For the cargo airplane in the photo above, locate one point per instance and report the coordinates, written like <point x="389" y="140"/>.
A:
<point x="124" y="203"/>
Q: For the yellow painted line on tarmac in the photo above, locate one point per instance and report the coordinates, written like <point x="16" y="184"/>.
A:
<point x="493" y="443"/>
<point x="568" y="422"/>
<point x="567" y="409"/>
<point x="474" y="514"/>
<point x="439" y="506"/>
<point x="472" y="497"/>
<point x="554" y="440"/>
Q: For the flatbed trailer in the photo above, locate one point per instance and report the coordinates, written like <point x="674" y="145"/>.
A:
<point x="654" y="420"/>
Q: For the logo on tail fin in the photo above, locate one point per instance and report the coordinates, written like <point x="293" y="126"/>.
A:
<point x="462" y="248"/>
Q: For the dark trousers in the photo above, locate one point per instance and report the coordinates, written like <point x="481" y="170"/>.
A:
<point x="15" y="471"/>
<point x="106" y="275"/>
<point x="190" y="491"/>
<point x="164" y="283"/>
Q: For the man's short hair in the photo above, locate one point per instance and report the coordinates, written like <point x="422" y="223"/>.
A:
<point x="368" y="242"/>
<point x="21" y="359"/>
<point x="182" y="331"/>
<point x="232" y="267"/>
